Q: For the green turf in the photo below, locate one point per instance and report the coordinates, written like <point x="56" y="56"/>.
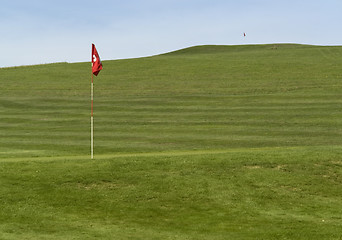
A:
<point x="209" y="142"/>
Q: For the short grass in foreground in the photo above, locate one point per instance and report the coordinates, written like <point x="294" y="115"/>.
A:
<point x="210" y="142"/>
<point x="284" y="193"/>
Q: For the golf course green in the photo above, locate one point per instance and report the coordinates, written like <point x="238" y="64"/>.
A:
<point x="208" y="142"/>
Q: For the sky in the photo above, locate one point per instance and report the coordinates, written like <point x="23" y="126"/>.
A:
<point x="48" y="31"/>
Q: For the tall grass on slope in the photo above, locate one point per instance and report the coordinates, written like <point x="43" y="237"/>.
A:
<point x="208" y="97"/>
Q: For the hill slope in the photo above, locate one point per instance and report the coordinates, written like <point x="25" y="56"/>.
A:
<point x="198" y="98"/>
<point x="210" y="142"/>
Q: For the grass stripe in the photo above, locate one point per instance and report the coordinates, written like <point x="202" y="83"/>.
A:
<point x="169" y="153"/>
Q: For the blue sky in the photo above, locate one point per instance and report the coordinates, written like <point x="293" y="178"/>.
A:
<point x="46" y="31"/>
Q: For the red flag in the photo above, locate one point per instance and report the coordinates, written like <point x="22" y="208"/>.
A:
<point x="95" y="61"/>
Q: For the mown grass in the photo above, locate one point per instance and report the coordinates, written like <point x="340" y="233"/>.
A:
<point x="285" y="193"/>
<point x="210" y="142"/>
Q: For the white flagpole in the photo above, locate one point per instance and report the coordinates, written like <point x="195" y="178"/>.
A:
<point x="92" y="118"/>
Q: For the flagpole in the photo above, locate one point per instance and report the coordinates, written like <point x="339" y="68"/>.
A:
<point x="92" y="118"/>
<point x="96" y="67"/>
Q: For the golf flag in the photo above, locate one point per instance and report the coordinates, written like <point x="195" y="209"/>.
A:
<point x="96" y="67"/>
<point x="96" y="61"/>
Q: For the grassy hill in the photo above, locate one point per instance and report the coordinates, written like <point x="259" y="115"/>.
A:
<point x="208" y="142"/>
